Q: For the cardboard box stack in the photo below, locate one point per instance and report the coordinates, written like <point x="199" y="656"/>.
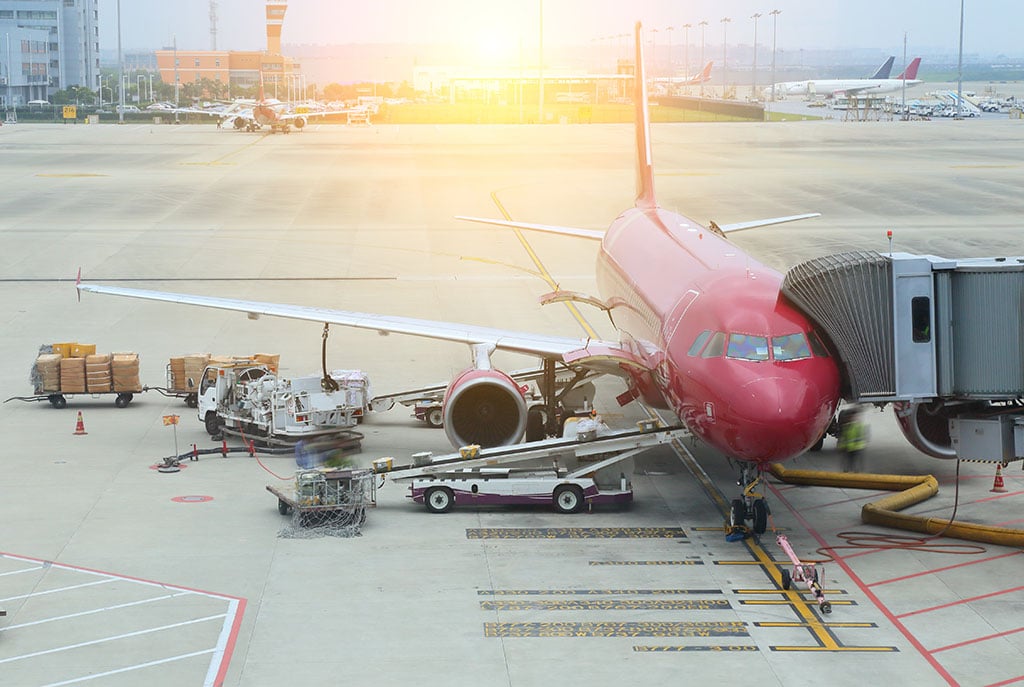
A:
<point x="97" y="373"/>
<point x="124" y="369"/>
<point x="72" y="375"/>
<point x="271" y="361"/>
<point x="48" y="372"/>
<point x="194" y="365"/>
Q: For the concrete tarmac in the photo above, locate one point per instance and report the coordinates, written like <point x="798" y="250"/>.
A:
<point x="114" y="574"/>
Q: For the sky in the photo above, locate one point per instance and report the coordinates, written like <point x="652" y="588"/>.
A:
<point x="991" y="27"/>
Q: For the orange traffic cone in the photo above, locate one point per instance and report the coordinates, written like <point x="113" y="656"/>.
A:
<point x="998" y="486"/>
<point x="80" y="426"/>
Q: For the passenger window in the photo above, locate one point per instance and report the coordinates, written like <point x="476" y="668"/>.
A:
<point x="715" y="346"/>
<point x="790" y="347"/>
<point x="921" y="319"/>
<point x="747" y="347"/>
<point x="699" y="342"/>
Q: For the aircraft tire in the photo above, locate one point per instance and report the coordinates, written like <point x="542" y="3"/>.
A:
<point x="760" y="516"/>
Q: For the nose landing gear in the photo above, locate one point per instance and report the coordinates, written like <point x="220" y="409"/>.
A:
<point x="750" y="506"/>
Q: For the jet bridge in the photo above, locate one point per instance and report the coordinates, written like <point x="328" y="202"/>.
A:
<point x="940" y="338"/>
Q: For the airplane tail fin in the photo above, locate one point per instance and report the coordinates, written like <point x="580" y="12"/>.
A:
<point x="886" y="69"/>
<point x="260" y="97"/>
<point x="644" y="167"/>
<point x="705" y="75"/>
<point x="910" y="73"/>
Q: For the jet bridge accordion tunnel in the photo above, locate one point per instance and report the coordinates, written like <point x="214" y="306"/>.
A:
<point x="941" y="339"/>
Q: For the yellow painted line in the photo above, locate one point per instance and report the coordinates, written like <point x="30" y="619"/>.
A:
<point x="686" y="174"/>
<point x="845" y="649"/>
<point x="220" y="160"/>
<point x="796" y="603"/>
<point x="544" y="274"/>
<point x="782" y="591"/>
<point x="781" y="624"/>
<point x="739" y="563"/>
<point x="70" y="176"/>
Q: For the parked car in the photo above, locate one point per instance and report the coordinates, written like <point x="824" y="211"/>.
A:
<point x="127" y="109"/>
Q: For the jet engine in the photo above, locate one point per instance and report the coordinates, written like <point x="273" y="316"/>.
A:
<point x="926" y="427"/>
<point x="299" y="122"/>
<point x="239" y="123"/>
<point x="484" y="407"/>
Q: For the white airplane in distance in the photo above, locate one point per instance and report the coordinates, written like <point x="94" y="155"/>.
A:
<point x="851" y="88"/>
<point x="703" y="76"/>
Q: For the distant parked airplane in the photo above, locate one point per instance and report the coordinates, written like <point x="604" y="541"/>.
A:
<point x="851" y="88"/>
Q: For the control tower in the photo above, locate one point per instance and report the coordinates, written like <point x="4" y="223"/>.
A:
<point x="275" y="19"/>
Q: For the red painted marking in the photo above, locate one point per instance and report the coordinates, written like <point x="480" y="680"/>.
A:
<point x="1019" y="678"/>
<point x="978" y="639"/>
<point x="948" y="567"/>
<point x="192" y="499"/>
<point x="157" y="467"/>
<point x="850" y="500"/>
<point x="1009" y="522"/>
<point x="1000" y="496"/>
<point x="229" y="646"/>
<point x="841" y="562"/>
<point x="961" y="601"/>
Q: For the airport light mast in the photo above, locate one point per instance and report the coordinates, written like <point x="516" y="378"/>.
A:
<point x="686" y="49"/>
<point x="753" y="88"/>
<point x="120" y="69"/>
<point x="725" y="65"/>
<point x="703" y="23"/>
<point x="775" y="24"/>
<point x="960" y="67"/>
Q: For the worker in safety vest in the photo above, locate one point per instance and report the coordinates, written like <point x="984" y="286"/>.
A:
<point x="853" y="438"/>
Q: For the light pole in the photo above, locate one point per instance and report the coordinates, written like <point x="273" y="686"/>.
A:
<point x="670" y="29"/>
<point x="725" y="69"/>
<point x="753" y="88"/>
<point x="120" y="69"/>
<point x="654" y="52"/>
<point x="959" y="67"/>
<point x="775" y="20"/>
<point x="686" y="49"/>
<point x="703" y="24"/>
<point x="540" y="63"/>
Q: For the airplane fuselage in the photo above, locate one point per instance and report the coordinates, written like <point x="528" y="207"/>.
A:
<point x="829" y="87"/>
<point x="737" y="364"/>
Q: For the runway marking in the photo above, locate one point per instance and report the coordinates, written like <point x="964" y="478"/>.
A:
<point x="790" y="602"/>
<point x="70" y="176"/>
<point x="961" y="601"/>
<point x="59" y="589"/>
<point x="607" y="605"/>
<point x="140" y="666"/>
<point x="943" y="569"/>
<point x="586" y="592"/>
<point x="646" y="563"/>
<point x="783" y="591"/>
<point x="95" y="610"/>
<point x="112" y="638"/>
<point x="983" y="166"/>
<point x="838" y="649"/>
<point x="575" y="533"/>
<point x="609" y="629"/>
<point x="724" y="648"/>
<point x="23" y="570"/>
<point x="788" y="624"/>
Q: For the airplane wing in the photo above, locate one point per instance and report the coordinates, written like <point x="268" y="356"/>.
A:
<point x="740" y="226"/>
<point x="547" y="228"/>
<point x="605" y="356"/>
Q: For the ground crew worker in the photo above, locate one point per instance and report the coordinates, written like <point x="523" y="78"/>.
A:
<point x="853" y="439"/>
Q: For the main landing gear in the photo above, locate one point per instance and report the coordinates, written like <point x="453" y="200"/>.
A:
<point x="750" y="506"/>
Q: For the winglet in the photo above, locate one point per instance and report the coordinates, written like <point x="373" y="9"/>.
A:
<point x="644" y="166"/>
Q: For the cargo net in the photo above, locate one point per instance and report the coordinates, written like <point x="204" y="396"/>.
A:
<point x="329" y="507"/>
<point x="35" y="377"/>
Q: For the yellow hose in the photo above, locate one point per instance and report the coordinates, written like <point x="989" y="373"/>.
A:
<point x="912" y="489"/>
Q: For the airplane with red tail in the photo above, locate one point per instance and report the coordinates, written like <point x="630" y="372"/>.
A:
<point x="703" y="331"/>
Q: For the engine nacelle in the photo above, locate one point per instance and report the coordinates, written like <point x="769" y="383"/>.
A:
<point x="484" y="407"/>
<point x="239" y="123"/>
<point x="299" y="122"/>
<point x="926" y="427"/>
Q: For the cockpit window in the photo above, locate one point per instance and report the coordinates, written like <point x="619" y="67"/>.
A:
<point x="747" y="347"/>
<point x="715" y="346"/>
<point x="790" y="347"/>
<point x="817" y="346"/>
<point x="699" y="342"/>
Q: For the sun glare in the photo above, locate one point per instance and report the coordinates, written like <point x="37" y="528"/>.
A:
<point x="495" y="47"/>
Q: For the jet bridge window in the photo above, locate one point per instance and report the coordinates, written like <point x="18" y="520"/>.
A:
<point x="715" y="347"/>
<point x="790" y="347"/>
<point x="699" y="342"/>
<point x="921" y="318"/>
<point x="747" y="347"/>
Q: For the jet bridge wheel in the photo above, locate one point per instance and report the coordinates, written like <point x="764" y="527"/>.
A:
<point x="439" y="499"/>
<point x="568" y="498"/>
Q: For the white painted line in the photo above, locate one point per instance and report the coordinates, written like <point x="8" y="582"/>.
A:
<point x="111" y="639"/>
<point x="60" y="589"/>
<point x="129" y="668"/>
<point x="222" y="642"/>
<point x="23" y="570"/>
<point x="95" y="610"/>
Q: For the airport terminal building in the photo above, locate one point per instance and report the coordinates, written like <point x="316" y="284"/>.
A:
<point x="47" y="45"/>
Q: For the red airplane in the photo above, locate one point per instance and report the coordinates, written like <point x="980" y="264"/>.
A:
<point x="704" y="331"/>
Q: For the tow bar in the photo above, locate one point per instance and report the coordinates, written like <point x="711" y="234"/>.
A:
<point x="802" y="572"/>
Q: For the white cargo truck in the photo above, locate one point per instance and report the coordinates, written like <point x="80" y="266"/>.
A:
<point x="249" y="400"/>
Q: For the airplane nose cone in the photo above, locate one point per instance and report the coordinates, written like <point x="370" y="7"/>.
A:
<point x="777" y="418"/>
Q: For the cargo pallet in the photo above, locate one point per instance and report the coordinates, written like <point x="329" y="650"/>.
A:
<point x="329" y="496"/>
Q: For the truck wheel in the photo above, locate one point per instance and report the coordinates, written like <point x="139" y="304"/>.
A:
<point x="283" y="508"/>
<point x="123" y="400"/>
<point x="568" y="499"/>
<point x="212" y="423"/>
<point x="57" y="401"/>
<point x="435" y="418"/>
<point x="192" y="400"/>
<point x="439" y="499"/>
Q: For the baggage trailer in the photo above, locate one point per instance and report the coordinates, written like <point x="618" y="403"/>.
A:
<point x="486" y="476"/>
<point x="64" y="370"/>
<point x="338" y="496"/>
